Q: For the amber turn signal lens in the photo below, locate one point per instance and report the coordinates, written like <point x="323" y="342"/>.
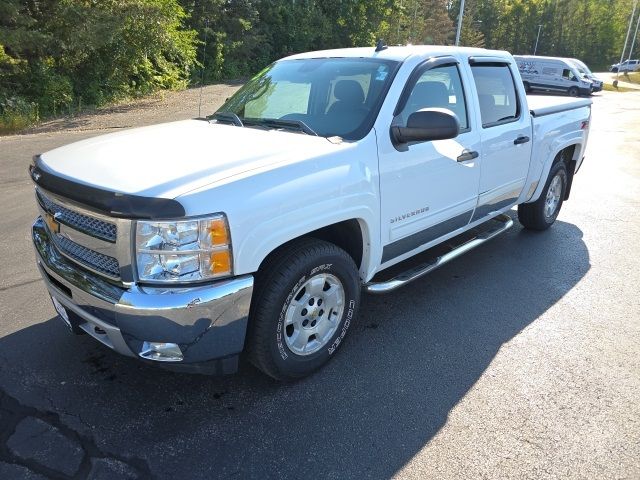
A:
<point x="218" y="232"/>
<point x="220" y="262"/>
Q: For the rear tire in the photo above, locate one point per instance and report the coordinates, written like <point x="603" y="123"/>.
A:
<point x="541" y="214"/>
<point x="306" y="297"/>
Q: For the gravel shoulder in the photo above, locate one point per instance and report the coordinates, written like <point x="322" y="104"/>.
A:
<point x="158" y="108"/>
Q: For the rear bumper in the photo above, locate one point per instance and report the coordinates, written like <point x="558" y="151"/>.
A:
<point x="207" y="322"/>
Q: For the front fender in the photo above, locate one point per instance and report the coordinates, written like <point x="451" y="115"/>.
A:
<point x="271" y="207"/>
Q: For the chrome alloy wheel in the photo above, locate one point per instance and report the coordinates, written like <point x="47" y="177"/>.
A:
<point x="314" y="314"/>
<point x="553" y="197"/>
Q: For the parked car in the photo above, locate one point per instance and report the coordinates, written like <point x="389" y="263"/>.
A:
<point x="586" y="72"/>
<point x="552" y="74"/>
<point x="254" y="230"/>
<point x="626" y="66"/>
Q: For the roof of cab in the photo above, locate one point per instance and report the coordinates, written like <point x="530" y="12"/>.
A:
<point x="398" y="53"/>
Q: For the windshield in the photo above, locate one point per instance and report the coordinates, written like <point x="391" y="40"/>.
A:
<point x="582" y="67"/>
<point x="325" y="96"/>
<point x="582" y="71"/>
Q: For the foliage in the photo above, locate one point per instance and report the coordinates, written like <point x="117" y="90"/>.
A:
<point x="471" y="34"/>
<point x="243" y="36"/>
<point x="421" y="22"/>
<point x="592" y="30"/>
<point x="58" y="56"/>
<point x="16" y="114"/>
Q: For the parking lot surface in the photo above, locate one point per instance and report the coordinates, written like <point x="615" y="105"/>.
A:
<point x="518" y="360"/>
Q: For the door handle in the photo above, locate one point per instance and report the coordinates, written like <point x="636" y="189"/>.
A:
<point x="521" y="139"/>
<point x="467" y="155"/>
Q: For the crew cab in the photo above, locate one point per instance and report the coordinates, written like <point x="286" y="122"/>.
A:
<point x="255" y="230"/>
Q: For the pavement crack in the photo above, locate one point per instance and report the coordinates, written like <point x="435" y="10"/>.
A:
<point x="13" y="413"/>
<point x="21" y="284"/>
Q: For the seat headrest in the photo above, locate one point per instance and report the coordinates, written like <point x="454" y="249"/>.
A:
<point x="349" y="91"/>
<point x="486" y="101"/>
<point x="487" y="108"/>
<point x="430" y="95"/>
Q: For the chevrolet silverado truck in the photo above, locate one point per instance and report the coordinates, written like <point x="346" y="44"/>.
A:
<point x="255" y="230"/>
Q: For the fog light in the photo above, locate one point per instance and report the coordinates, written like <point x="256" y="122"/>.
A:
<point x="161" y="352"/>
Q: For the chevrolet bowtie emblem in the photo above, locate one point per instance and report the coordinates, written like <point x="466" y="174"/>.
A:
<point x="52" y="222"/>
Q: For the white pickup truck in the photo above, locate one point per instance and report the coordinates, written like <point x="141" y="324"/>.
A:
<point x="256" y="229"/>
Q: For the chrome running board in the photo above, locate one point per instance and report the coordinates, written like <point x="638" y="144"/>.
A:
<point x="420" y="270"/>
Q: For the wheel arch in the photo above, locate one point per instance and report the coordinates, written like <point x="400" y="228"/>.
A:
<point x="568" y="156"/>
<point x="569" y="153"/>
<point x="351" y="235"/>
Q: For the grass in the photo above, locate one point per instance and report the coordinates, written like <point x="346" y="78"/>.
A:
<point x="14" y="119"/>
<point x="624" y="77"/>
<point x="632" y="77"/>
<point x="610" y="88"/>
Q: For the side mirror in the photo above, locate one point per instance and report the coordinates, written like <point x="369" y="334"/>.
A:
<point x="427" y="124"/>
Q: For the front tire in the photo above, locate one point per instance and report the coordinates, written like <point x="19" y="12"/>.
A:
<point x="574" y="92"/>
<point x="307" y="296"/>
<point x="541" y="214"/>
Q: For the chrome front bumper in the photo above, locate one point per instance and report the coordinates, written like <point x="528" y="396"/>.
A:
<point x="207" y="322"/>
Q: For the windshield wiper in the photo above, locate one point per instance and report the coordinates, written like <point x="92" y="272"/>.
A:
<point x="279" y="123"/>
<point x="228" y="117"/>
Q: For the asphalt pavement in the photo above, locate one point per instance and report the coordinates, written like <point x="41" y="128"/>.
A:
<point x="518" y="360"/>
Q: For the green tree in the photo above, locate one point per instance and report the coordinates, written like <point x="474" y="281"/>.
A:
<point x="421" y="22"/>
<point x="71" y="52"/>
<point x="470" y="33"/>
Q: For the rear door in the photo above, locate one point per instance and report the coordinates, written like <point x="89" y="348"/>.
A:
<point x="505" y="133"/>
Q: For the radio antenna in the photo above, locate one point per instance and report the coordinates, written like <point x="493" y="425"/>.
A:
<point x="204" y="57"/>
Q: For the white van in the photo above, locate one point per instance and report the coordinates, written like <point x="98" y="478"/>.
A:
<point x="552" y="74"/>
<point x="586" y="72"/>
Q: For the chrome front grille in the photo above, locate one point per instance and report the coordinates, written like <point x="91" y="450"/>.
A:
<point x="96" y="261"/>
<point x="94" y="241"/>
<point x="83" y="223"/>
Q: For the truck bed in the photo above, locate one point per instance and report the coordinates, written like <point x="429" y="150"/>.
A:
<point x="541" y="105"/>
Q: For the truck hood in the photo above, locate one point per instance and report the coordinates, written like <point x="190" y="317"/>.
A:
<point x="170" y="159"/>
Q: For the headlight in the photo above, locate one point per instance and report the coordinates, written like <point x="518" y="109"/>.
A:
<point x="185" y="250"/>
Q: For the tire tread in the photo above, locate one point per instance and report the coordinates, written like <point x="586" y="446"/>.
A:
<point x="271" y="279"/>
<point x="531" y="215"/>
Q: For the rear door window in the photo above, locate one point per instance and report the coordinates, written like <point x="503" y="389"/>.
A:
<point x="496" y="93"/>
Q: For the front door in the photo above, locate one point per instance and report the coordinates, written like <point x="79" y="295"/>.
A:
<point x="428" y="189"/>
